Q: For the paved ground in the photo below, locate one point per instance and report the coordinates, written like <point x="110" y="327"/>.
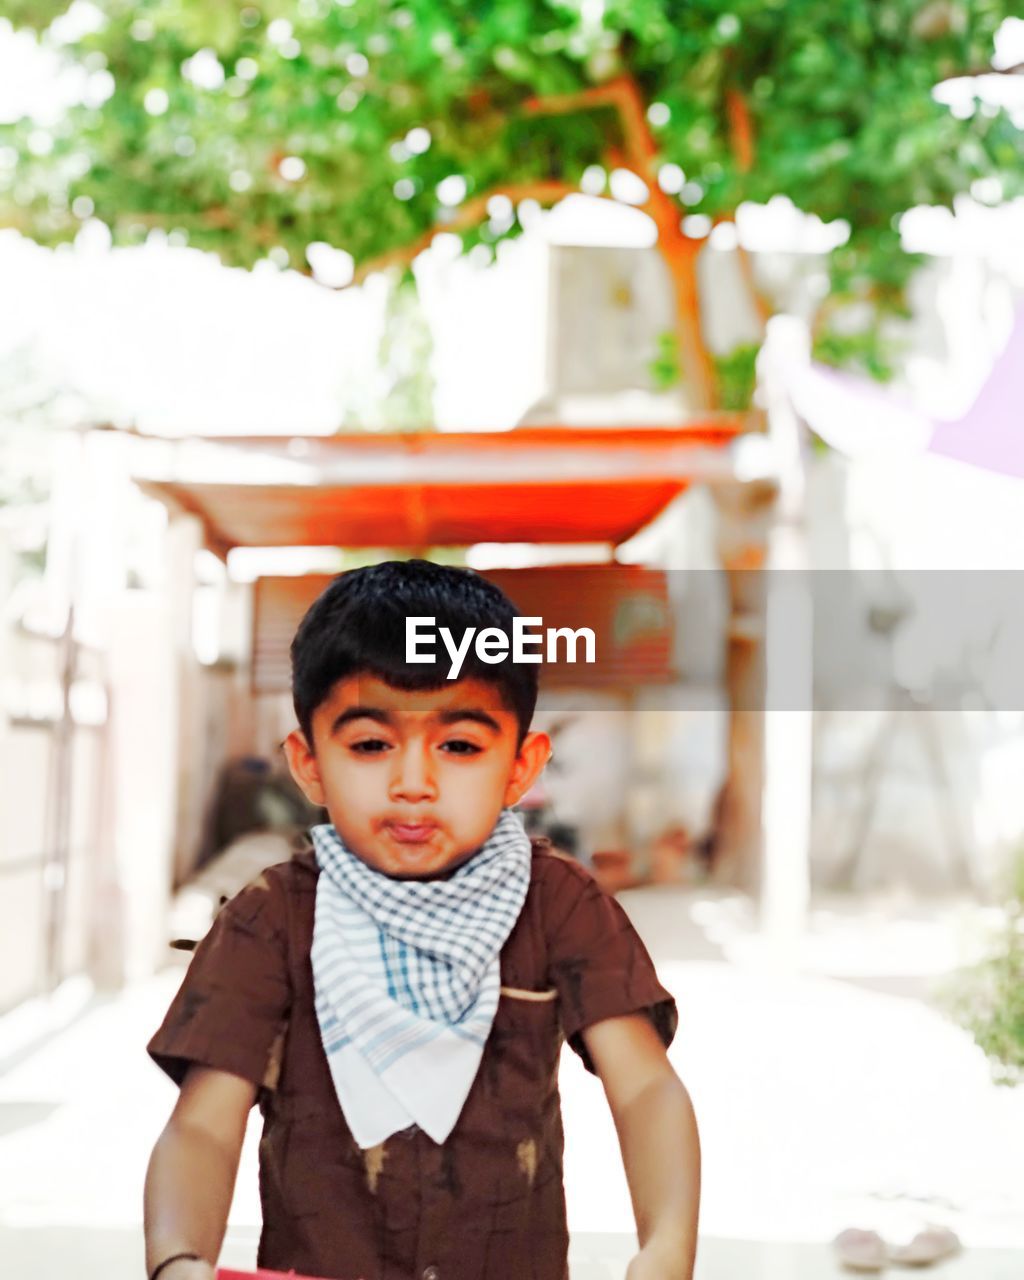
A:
<point x="830" y="1096"/>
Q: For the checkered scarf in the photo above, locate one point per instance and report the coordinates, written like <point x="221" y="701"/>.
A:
<point x="406" y="977"/>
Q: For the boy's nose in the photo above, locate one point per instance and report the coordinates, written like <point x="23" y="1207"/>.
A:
<point x="413" y="778"/>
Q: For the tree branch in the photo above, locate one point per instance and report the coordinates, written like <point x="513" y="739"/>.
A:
<point x="623" y="95"/>
<point x="741" y="129"/>
<point x="468" y="215"/>
<point x="215" y="218"/>
<point x="741" y="140"/>
<point x="974" y="73"/>
<point x="680" y="252"/>
<point x="640" y="154"/>
<point x="746" y="265"/>
<point x="641" y="151"/>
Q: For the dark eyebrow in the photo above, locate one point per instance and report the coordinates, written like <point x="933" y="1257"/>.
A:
<point x="360" y="713"/>
<point x="469" y="713"/>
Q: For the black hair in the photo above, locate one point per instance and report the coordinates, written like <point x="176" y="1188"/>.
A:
<point x="357" y="626"/>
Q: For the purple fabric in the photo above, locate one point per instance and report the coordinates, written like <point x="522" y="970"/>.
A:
<point x="991" y="433"/>
<point x="858" y="417"/>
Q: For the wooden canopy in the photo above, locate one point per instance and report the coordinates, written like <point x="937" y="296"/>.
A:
<point x="537" y="484"/>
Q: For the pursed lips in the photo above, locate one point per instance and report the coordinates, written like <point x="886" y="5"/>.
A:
<point x="406" y="832"/>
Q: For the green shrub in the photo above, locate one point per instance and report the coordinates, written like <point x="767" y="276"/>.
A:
<point x="988" y="998"/>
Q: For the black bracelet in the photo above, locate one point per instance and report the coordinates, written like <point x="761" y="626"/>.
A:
<point x="175" y="1257"/>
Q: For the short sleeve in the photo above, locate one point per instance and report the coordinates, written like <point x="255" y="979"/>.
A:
<point x="597" y="961"/>
<point x="232" y="1007"/>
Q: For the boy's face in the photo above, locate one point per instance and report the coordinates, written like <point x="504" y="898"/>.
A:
<point x="414" y="782"/>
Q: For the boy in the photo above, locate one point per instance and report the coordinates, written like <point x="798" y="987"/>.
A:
<point x="396" y="997"/>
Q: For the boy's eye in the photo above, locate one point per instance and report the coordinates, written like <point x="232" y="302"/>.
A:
<point x="369" y="746"/>
<point x="461" y="747"/>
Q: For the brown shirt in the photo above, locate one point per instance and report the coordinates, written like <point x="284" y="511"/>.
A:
<point x="487" y="1204"/>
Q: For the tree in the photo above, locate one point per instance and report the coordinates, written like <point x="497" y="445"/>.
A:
<point x="370" y="125"/>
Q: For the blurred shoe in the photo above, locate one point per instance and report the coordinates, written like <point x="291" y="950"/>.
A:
<point x="929" y="1246"/>
<point x="863" y="1251"/>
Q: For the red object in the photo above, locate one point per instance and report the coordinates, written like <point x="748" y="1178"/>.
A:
<point x="223" y="1274"/>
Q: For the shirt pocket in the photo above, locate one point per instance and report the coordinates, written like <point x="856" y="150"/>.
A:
<point x="515" y="996"/>
<point x="529" y="1013"/>
<point x="522" y="1050"/>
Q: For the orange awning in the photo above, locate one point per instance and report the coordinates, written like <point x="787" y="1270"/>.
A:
<point x="538" y="484"/>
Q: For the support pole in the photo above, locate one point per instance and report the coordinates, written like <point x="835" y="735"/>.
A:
<point x="744" y="511"/>
<point x="789" y="682"/>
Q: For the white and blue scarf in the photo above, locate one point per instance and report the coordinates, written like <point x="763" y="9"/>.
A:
<point x="406" y="977"/>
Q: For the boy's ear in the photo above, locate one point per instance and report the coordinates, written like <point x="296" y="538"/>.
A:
<point x="304" y="767"/>
<point x="529" y="763"/>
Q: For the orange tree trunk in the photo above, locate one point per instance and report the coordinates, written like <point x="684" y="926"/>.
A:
<point x="694" y="358"/>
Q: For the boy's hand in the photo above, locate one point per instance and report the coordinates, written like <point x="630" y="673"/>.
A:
<point x="192" y="1171"/>
<point x="188" y="1269"/>
<point x="659" y="1262"/>
<point x="660" y="1145"/>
